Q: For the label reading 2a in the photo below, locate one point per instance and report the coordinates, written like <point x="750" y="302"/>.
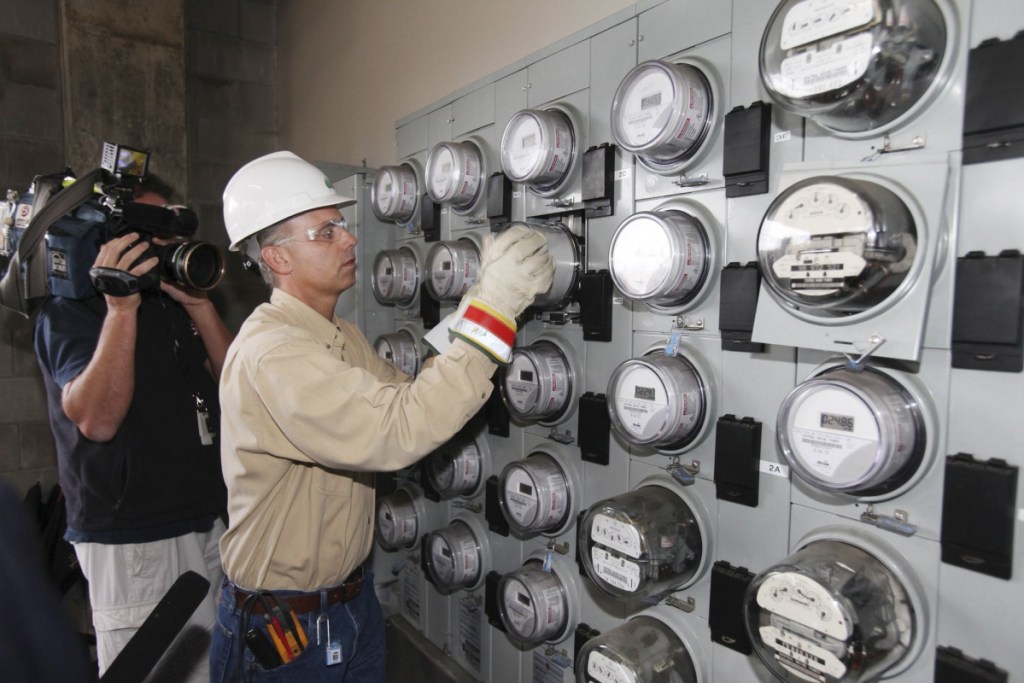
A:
<point x="775" y="469"/>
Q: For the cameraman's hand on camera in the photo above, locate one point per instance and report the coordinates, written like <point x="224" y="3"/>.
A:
<point x="119" y="254"/>
<point x="515" y="267"/>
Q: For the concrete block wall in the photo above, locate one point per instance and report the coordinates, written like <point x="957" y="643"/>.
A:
<point x="228" y="115"/>
<point x="232" y="118"/>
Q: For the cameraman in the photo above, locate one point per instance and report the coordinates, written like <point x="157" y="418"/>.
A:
<point x="128" y="379"/>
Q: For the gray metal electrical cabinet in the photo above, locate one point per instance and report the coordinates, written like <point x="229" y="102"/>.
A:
<point x="856" y="446"/>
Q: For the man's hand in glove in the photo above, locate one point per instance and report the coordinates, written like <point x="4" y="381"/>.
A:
<point x="515" y="266"/>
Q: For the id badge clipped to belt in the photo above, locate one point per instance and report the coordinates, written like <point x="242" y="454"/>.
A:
<point x="332" y="651"/>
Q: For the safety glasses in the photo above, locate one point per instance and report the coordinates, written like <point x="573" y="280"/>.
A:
<point x="328" y="231"/>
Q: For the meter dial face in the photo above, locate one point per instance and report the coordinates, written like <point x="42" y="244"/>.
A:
<point x="537" y="385"/>
<point x="534" y="605"/>
<point x="641" y="650"/>
<point x="452" y="268"/>
<point x="396" y="277"/>
<point x="535" y="494"/>
<point x="394" y="193"/>
<point x="400" y="348"/>
<point x="831" y="611"/>
<point x="455" y="469"/>
<point x="657" y="401"/>
<point x="397" y="521"/>
<point x="642" y="542"/>
<point x="454" y="174"/>
<point x="834" y="246"/>
<point x="662" y="113"/>
<point x="455" y="557"/>
<point x="538" y="147"/>
<point x="855" y="432"/>
<point x="853" y="65"/>
<point x="660" y="257"/>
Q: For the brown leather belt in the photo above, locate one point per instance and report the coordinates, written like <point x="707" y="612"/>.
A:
<point x="307" y="602"/>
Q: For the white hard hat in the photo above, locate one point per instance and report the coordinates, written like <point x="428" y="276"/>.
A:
<point x="272" y="188"/>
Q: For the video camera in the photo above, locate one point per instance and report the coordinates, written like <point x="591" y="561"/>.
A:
<point x="51" y="235"/>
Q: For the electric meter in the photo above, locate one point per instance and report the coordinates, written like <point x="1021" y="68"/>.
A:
<point x="452" y="267"/>
<point x="400" y="348"/>
<point x="662" y="112"/>
<point x="642" y="542"/>
<point x="455" y="556"/>
<point x="658" y="400"/>
<point x="642" y="650"/>
<point x="852" y="431"/>
<point x="395" y="278"/>
<point x="394" y="193"/>
<point x="830" y="612"/>
<point x="536" y="495"/>
<point x="455" y="174"/>
<point x="537" y="385"/>
<point x="535" y="605"/>
<point x="660" y="258"/>
<point x="398" y="518"/>
<point x="456" y="468"/>
<point x="538" y="148"/>
<point x="836" y="246"/>
<point x="565" y="251"/>
<point x="852" y="65"/>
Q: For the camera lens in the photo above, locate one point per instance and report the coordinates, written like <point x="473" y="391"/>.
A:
<point x="199" y="265"/>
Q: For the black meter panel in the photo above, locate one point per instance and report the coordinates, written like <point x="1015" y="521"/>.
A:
<point x="400" y="518"/>
<point x="663" y="400"/>
<point x="856" y="67"/>
<point x="541" y="383"/>
<point x="539" y="602"/>
<point x="540" y="494"/>
<point x="395" y="278"/>
<point x="856" y="431"/>
<point x="645" y="542"/>
<point x="665" y="258"/>
<point x="838" y="609"/>
<point x="457" y="556"/>
<point x="401" y="348"/>
<point x="451" y="267"/>
<point x="455" y="175"/>
<point x="848" y="260"/>
<point x="653" y="646"/>
<point x="459" y="467"/>
<point x="663" y="112"/>
<point x="395" y="193"/>
<point x="539" y="149"/>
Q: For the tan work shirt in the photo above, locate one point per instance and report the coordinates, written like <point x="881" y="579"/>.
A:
<point x="309" y="411"/>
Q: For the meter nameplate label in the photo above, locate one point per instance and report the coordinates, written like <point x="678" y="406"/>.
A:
<point x="806" y="602"/>
<point x="521" y="497"/>
<point x="615" y="570"/>
<point x="807" y="656"/>
<point x="818" y="273"/>
<point x="411" y="593"/>
<point x="604" y="669"/>
<point x="647" y="107"/>
<point x="813" y="20"/>
<point x="775" y="469"/>
<point x="641" y="402"/>
<point x="848" y="449"/>
<point x="520" y="612"/>
<point x="619" y="536"/>
<point x="813" y="73"/>
<point x="441" y="174"/>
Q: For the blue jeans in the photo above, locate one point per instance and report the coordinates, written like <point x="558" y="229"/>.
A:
<point x="358" y="625"/>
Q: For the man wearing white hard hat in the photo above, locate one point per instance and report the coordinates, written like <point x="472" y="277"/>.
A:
<point x="309" y="412"/>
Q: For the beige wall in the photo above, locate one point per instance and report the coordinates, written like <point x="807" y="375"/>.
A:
<point x="349" y="69"/>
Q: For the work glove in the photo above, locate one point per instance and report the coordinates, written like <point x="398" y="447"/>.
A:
<point x="515" y="266"/>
